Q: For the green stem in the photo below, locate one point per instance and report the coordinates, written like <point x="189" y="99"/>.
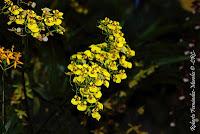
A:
<point x="25" y="43"/>
<point x="3" y="98"/>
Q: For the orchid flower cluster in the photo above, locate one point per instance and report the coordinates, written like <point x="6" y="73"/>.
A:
<point x="96" y="66"/>
<point x="9" y="58"/>
<point x="29" y="22"/>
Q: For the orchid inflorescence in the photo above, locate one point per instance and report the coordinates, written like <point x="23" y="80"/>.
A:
<point x="95" y="67"/>
<point x="29" y="22"/>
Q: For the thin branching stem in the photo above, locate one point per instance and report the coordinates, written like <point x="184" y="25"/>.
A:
<point x="25" y="43"/>
<point x="3" y="97"/>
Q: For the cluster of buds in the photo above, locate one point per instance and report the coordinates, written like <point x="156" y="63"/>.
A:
<point x="29" y="22"/>
<point x="96" y="66"/>
<point x="9" y="58"/>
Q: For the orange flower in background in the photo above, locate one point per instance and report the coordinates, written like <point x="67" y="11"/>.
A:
<point x="9" y="58"/>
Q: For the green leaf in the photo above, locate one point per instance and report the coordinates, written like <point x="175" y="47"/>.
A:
<point x="9" y="125"/>
<point x="36" y="105"/>
<point x="42" y="93"/>
<point x="151" y="29"/>
<point x="171" y="60"/>
<point x="2" y="128"/>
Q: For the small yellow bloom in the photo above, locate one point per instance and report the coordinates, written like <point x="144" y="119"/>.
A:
<point x="9" y="2"/>
<point x="98" y="94"/>
<point x="95" y="49"/>
<point x="123" y="75"/>
<point x="102" y="45"/>
<point x="117" y="79"/>
<point x="71" y="67"/>
<point x="79" y="56"/>
<point x="113" y="66"/>
<point x="125" y="63"/>
<point x="84" y="92"/>
<point x="88" y="53"/>
<point x="99" y="106"/>
<point x="114" y="55"/>
<point x="110" y="26"/>
<point x="49" y="21"/>
<point x="96" y="115"/>
<point x="100" y="57"/>
<point x="78" y="72"/>
<point x="15" y="10"/>
<point x="33" y="27"/>
<point x="91" y="99"/>
<point x="106" y="73"/>
<point x="57" y="21"/>
<point x="57" y="13"/>
<point x="120" y="44"/>
<point x="106" y="83"/>
<point x="129" y="65"/>
<point x="30" y="14"/>
<point x="94" y="75"/>
<point x="131" y="53"/>
<point x="20" y="19"/>
<point x="82" y="106"/>
<point x="78" y="79"/>
<point x="36" y="35"/>
<point x="76" y="100"/>
<point x="140" y="110"/>
<point x="98" y="82"/>
<point x="39" y="17"/>
<point x="93" y="89"/>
